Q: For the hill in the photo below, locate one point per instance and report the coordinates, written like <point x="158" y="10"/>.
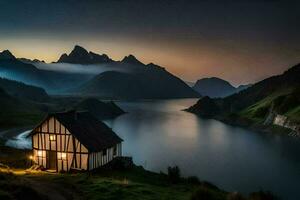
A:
<point x="144" y="84"/>
<point x="278" y="94"/>
<point x="102" y="110"/>
<point x="214" y="87"/>
<point x="14" y="112"/>
<point x="21" y="90"/>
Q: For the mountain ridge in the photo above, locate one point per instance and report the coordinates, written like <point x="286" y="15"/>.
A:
<point x="278" y="94"/>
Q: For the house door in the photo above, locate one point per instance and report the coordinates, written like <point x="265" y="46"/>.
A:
<point x="51" y="161"/>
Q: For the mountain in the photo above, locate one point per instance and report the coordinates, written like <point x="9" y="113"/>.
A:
<point x="21" y="90"/>
<point x="79" y="55"/>
<point x="7" y="55"/>
<point x="279" y="94"/>
<point x="128" y="78"/>
<point x="55" y="82"/>
<point x="130" y="59"/>
<point x="101" y="110"/>
<point x="29" y="61"/>
<point x="243" y="87"/>
<point x="214" y="87"/>
<point x="143" y="82"/>
<point x="189" y="83"/>
<point x="13" y="69"/>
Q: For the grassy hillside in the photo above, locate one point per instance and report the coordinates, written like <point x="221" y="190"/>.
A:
<point x="14" y="112"/>
<point x="101" y="110"/>
<point x="279" y="94"/>
<point x="21" y="90"/>
<point x="285" y="102"/>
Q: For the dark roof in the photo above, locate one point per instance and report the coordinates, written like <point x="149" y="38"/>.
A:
<point x="92" y="133"/>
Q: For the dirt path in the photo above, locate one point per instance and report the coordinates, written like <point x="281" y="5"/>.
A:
<point x="52" y="189"/>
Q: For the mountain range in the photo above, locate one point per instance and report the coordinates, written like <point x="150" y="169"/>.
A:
<point x="128" y="78"/>
<point x="215" y="87"/>
<point x="134" y="80"/>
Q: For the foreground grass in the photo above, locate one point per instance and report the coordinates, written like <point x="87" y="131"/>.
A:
<point x="135" y="183"/>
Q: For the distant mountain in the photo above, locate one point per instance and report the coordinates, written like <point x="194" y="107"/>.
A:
<point x="149" y="81"/>
<point x="130" y="59"/>
<point x="29" y="61"/>
<point x="214" y="87"/>
<point x="243" y="87"/>
<point x="128" y="78"/>
<point x="101" y="110"/>
<point x="26" y="72"/>
<point x="21" y="90"/>
<point x="79" y="55"/>
<point x="13" y="69"/>
<point x="189" y="83"/>
<point x="280" y="94"/>
<point x="7" y="55"/>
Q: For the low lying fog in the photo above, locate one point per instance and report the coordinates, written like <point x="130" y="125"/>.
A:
<point x="80" y="69"/>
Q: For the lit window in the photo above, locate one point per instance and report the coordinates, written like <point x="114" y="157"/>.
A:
<point x="61" y="156"/>
<point x="52" y="137"/>
<point x="40" y="153"/>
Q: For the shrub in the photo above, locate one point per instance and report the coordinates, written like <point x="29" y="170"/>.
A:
<point x="262" y="195"/>
<point x="174" y="174"/>
<point x="203" y="193"/>
<point x="235" y="196"/>
<point x="193" y="180"/>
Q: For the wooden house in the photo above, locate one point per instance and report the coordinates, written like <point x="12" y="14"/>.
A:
<point x="74" y="140"/>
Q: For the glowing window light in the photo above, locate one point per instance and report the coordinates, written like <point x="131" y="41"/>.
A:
<point x="63" y="156"/>
<point x="40" y="153"/>
<point x="52" y="137"/>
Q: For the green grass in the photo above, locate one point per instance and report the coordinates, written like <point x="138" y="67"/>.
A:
<point x="257" y="112"/>
<point x="294" y="114"/>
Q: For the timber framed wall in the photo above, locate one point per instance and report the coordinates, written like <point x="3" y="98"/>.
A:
<point x="53" y="136"/>
<point x="97" y="159"/>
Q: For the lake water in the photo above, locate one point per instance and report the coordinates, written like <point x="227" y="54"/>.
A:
<point x="157" y="134"/>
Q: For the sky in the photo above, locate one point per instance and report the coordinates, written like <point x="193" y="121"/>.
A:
<point x="240" y="41"/>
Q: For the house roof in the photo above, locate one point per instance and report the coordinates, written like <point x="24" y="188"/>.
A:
<point x="92" y="133"/>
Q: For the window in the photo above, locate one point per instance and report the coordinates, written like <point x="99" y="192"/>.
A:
<point x="52" y="137"/>
<point x="41" y="153"/>
<point x="104" y="152"/>
<point x="61" y="155"/>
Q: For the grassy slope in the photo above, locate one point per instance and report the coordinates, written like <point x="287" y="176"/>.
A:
<point x="130" y="184"/>
<point x="257" y="112"/>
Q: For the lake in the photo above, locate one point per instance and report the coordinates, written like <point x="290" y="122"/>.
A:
<point x="157" y="134"/>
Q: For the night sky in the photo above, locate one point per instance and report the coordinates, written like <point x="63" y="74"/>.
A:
<point x="242" y="42"/>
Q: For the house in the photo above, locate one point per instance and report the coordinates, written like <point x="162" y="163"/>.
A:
<point x="74" y="140"/>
